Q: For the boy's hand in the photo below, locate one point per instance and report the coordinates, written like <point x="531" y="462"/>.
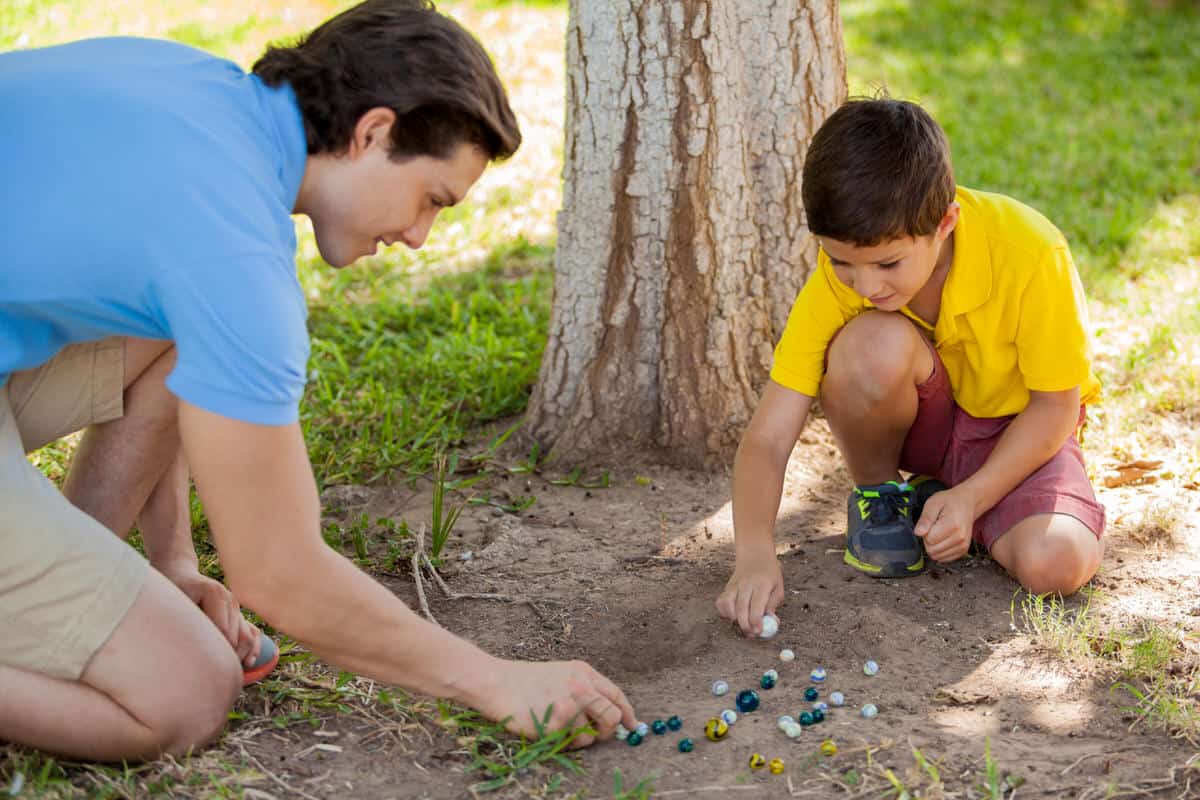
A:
<point x="946" y="524"/>
<point x="580" y="696"/>
<point x="754" y="589"/>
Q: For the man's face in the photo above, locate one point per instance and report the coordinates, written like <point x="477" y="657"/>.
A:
<point x="891" y="274"/>
<point x="367" y="199"/>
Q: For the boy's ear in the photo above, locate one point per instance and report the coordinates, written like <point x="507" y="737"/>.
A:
<point x="373" y="129"/>
<point x="949" y="220"/>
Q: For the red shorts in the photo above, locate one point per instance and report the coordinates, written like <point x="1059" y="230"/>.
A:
<point x="951" y="445"/>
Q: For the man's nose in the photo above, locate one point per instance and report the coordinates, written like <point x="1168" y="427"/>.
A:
<point x="418" y="232"/>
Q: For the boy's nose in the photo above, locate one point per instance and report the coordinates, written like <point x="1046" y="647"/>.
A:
<point x="865" y="285"/>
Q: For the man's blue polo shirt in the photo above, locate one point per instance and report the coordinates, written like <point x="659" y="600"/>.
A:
<point x="146" y="189"/>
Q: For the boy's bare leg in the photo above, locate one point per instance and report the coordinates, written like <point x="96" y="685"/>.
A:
<point x="869" y="392"/>
<point x="121" y="707"/>
<point x="1049" y="553"/>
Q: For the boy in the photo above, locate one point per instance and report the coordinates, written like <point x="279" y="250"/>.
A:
<point x="944" y="331"/>
<point x="149" y="295"/>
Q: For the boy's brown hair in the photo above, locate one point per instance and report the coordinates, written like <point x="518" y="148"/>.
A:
<point x="877" y="170"/>
<point x="403" y="55"/>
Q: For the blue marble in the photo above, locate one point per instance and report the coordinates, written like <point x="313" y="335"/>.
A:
<point x="674" y="723"/>
<point x="747" y="700"/>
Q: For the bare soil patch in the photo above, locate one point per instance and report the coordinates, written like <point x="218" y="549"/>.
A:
<point x="625" y="577"/>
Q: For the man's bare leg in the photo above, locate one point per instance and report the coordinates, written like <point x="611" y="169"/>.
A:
<point x="121" y="707"/>
<point x="119" y="464"/>
<point x="134" y="468"/>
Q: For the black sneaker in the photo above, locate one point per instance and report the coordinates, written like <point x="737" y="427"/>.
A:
<point x="879" y="532"/>
<point x="923" y="487"/>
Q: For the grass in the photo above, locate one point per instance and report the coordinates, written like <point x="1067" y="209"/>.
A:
<point x="1087" y="109"/>
<point x="1146" y="659"/>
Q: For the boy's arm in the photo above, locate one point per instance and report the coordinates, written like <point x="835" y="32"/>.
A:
<point x="1030" y="440"/>
<point x="756" y="586"/>
<point x="260" y="496"/>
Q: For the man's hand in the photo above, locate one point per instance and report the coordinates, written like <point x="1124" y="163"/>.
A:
<point x="754" y="589"/>
<point x="946" y="524"/>
<point x="219" y="605"/>
<point x="580" y="696"/>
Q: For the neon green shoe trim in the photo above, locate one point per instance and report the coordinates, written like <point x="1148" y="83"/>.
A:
<point x="849" y="558"/>
<point x="917" y="567"/>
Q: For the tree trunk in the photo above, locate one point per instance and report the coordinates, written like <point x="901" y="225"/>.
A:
<point x="682" y="241"/>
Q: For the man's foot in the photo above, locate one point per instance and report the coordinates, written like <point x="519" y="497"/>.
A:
<point x="879" y="532"/>
<point x="268" y="657"/>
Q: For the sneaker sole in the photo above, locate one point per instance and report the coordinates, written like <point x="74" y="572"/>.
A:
<point x="268" y="657"/>
<point x="896" y="570"/>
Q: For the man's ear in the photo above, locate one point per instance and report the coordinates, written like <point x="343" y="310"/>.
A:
<point x="373" y="129"/>
<point x="949" y="220"/>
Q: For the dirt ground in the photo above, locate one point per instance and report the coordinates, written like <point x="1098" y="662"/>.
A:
<point x="625" y="577"/>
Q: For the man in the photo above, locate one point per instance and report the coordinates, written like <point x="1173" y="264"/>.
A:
<point x="149" y="295"/>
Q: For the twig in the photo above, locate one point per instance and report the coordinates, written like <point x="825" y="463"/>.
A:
<point x="453" y="595"/>
<point x="1079" y="761"/>
<point x="708" y="789"/>
<point x="275" y="777"/>
<point x="416" y="571"/>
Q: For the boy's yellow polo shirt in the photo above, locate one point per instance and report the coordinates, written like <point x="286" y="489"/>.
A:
<point x="1013" y="316"/>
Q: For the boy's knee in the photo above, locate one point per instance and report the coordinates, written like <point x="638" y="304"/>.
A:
<point x="874" y="348"/>
<point x="1059" y="564"/>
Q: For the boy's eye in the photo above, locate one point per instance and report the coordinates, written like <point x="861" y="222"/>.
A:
<point x="889" y="264"/>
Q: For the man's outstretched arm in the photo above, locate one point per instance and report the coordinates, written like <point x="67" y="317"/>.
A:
<point x="258" y="490"/>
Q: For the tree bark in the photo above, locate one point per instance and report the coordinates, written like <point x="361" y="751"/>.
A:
<point x="682" y="241"/>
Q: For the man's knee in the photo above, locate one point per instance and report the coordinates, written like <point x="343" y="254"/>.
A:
<point x="200" y="721"/>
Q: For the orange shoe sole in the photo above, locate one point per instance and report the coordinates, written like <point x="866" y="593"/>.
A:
<point x="268" y="657"/>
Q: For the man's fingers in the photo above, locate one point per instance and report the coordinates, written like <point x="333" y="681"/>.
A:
<point x="617" y="698"/>
<point x="605" y="714"/>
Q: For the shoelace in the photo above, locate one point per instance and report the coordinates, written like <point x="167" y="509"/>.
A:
<point x="886" y="504"/>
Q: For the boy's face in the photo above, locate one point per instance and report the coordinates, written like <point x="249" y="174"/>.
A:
<point x="366" y="199"/>
<point x="891" y="274"/>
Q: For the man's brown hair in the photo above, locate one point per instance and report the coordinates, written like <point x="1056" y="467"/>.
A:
<point x="877" y="170"/>
<point x="402" y="55"/>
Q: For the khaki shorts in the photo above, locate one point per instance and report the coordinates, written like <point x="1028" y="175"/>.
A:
<point x="65" y="580"/>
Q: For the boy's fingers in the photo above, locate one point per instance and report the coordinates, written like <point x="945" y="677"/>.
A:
<point x="775" y="599"/>
<point x="725" y="605"/>
<point x="743" y="609"/>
